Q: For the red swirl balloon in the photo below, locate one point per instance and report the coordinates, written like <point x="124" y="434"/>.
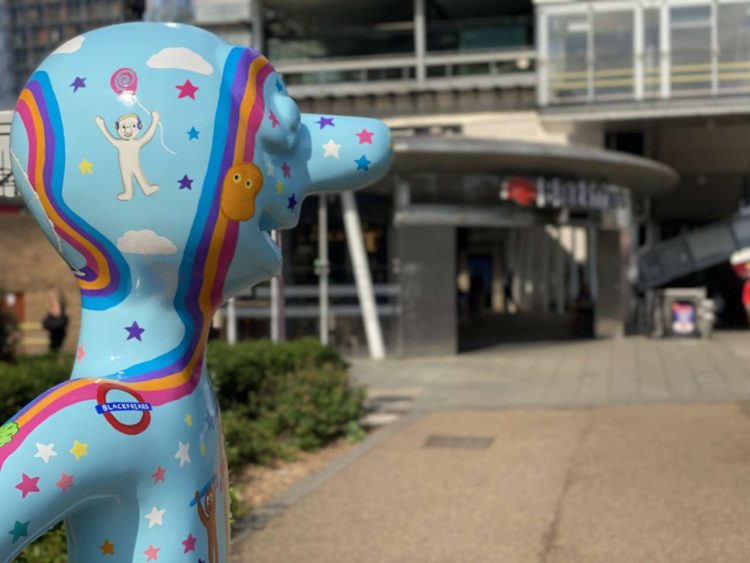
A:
<point x="124" y="80"/>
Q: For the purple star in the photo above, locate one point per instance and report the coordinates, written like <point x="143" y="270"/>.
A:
<point x="185" y="183"/>
<point x="210" y="421"/>
<point x="287" y="170"/>
<point x="323" y="121"/>
<point x="134" y="331"/>
<point x="279" y="86"/>
<point x="292" y="202"/>
<point x="78" y="83"/>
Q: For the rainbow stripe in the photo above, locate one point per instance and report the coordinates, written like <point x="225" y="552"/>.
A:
<point x="105" y="279"/>
<point x="213" y="237"/>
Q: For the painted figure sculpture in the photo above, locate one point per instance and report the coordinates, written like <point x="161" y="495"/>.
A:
<point x="156" y="158"/>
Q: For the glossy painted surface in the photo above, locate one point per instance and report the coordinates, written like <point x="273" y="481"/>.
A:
<point x="155" y="157"/>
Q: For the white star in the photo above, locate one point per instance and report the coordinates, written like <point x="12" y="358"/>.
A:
<point x="155" y="517"/>
<point x="183" y="453"/>
<point x="269" y="167"/>
<point x="331" y="149"/>
<point x="45" y="451"/>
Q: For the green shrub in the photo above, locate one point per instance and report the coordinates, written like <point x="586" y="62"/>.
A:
<point x="276" y="399"/>
<point x="9" y="336"/>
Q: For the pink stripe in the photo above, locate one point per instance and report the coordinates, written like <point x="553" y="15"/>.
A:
<point x="225" y="259"/>
<point x="256" y="113"/>
<point x="87" y="393"/>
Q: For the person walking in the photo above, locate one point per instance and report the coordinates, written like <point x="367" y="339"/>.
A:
<point x="56" y="321"/>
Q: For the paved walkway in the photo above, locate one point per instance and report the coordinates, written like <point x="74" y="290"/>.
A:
<point x="575" y="373"/>
<point x="655" y="468"/>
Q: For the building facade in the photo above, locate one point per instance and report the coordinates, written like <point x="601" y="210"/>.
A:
<point x="553" y="162"/>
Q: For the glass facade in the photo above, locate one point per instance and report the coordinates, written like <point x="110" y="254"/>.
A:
<point x="626" y="50"/>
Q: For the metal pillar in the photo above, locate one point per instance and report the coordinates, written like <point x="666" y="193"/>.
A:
<point x="278" y="323"/>
<point x="362" y="276"/>
<point x="257" y="36"/>
<point x="323" y="266"/>
<point x="420" y="39"/>
<point x="231" y="321"/>
<point x="559" y="273"/>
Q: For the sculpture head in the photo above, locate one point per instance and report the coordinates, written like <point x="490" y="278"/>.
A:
<point x="220" y="156"/>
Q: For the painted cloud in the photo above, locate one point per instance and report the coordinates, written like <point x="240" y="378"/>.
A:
<point x="70" y="46"/>
<point x="145" y="241"/>
<point x="180" y="58"/>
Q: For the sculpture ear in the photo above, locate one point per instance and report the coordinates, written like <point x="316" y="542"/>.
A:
<point x="280" y="123"/>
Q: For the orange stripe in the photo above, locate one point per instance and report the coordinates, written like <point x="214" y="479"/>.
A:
<point x="51" y="398"/>
<point x="248" y="99"/>
<point x="102" y="279"/>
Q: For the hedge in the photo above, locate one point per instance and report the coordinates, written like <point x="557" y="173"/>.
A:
<point x="276" y="399"/>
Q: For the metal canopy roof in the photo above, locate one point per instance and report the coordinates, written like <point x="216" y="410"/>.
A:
<point x="483" y="156"/>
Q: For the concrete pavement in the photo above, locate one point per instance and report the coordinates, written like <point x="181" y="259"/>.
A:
<point x="648" y="462"/>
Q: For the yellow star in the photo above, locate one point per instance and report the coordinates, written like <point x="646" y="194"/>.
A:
<point x="79" y="450"/>
<point x="203" y="449"/>
<point x="188" y="420"/>
<point x="279" y="186"/>
<point x="108" y="548"/>
<point x="86" y="167"/>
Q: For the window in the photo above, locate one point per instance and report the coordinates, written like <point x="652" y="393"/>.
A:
<point x="690" y="28"/>
<point x="613" y="54"/>
<point x="568" y="53"/>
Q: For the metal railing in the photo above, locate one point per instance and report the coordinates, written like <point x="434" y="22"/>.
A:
<point x="346" y="76"/>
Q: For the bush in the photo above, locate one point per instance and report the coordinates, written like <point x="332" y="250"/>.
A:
<point x="9" y="336"/>
<point x="276" y="399"/>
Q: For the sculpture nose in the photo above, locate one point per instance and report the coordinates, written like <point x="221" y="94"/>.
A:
<point x="346" y="153"/>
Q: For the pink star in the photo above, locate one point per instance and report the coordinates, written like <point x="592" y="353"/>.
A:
<point x="187" y="90"/>
<point x="152" y="553"/>
<point x="365" y="136"/>
<point x="286" y="170"/>
<point x="28" y="485"/>
<point x="158" y="475"/>
<point x="189" y="543"/>
<point x="81" y="353"/>
<point x="65" y="482"/>
<point x="274" y="120"/>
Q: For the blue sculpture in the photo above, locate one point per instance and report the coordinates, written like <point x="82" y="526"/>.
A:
<point x="156" y="158"/>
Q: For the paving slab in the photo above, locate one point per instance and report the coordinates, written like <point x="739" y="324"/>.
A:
<point x="615" y="484"/>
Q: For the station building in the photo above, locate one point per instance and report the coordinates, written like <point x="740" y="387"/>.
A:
<point x="553" y="161"/>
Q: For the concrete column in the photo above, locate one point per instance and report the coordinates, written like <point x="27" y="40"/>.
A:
<point x="257" y="36"/>
<point x="611" y="266"/>
<point x="420" y="39"/>
<point x="428" y="324"/>
<point x="516" y="248"/>
<point x="323" y="266"/>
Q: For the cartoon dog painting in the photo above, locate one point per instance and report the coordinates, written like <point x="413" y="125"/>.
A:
<point x="128" y="147"/>
<point x="119" y="451"/>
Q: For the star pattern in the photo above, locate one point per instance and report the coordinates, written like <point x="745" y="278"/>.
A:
<point x="185" y="183"/>
<point x="79" y="450"/>
<point x="363" y="163"/>
<point x="187" y="90"/>
<point x="152" y="553"/>
<point x="65" y="482"/>
<point x="365" y="136"/>
<point x="189" y="543"/>
<point x="324" y="121"/>
<point x="155" y="517"/>
<point x="107" y="548"/>
<point x="135" y="331"/>
<point x="28" y="485"/>
<point x="188" y="420"/>
<point x="86" y="167"/>
<point x="45" y="451"/>
<point x="158" y="475"/>
<point x="279" y="187"/>
<point x="269" y="167"/>
<point x="78" y="83"/>
<point x="279" y="85"/>
<point x="286" y="170"/>
<point x="20" y="530"/>
<point x="203" y="449"/>
<point x="292" y="202"/>
<point x="210" y="421"/>
<point x="81" y="353"/>
<point x="331" y="148"/>
<point x="193" y="133"/>
<point x="274" y="120"/>
<point x="183" y="454"/>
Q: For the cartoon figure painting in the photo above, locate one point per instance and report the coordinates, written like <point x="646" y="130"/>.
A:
<point x="120" y="449"/>
<point x="128" y="148"/>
